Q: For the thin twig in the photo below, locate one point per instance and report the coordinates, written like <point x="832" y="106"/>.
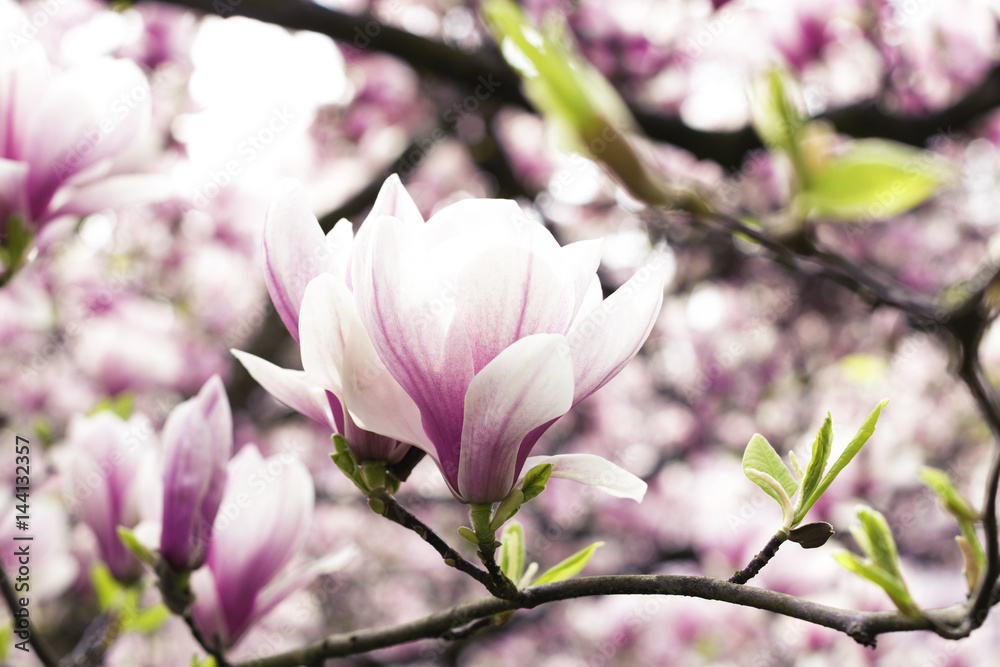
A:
<point x="42" y="650"/>
<point x="94" y="643"/>
<point x="398" y="514"/>
<point x="972" y="374"/>
<point x="214" y="650"/>
<point x="760" y="560"/>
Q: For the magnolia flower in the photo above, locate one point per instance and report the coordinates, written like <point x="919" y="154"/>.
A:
<point x="265" y="514"/>
<point x="112" y="479"/>
<point x="470" y="334"/>
<point x="295" y="252"/>
<point x="60" y="133"/>
<point x="198" y="440"/>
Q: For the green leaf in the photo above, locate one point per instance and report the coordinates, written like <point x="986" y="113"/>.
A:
<point x="128" y="538"/>
<point x="891" y="584"/>
<point x="853" y="447"/>
<point x="569" y="567"/>
<point x="814" y="471"/>
<point x="969" y="533"/>
<point x="760" y="457"/>
<point x="771" y="485"/>
<point x="512" y="551"/>
<point x="563" y="86"/>
<point x="148" y="620"/>
<point x="949" y="495"/>
<point x="535" y="481"/>
<point x="775" y="119"/>
<point x="468" y="534"/>
<point x="874" y="180"/>
<point x="878" y="542"/>
<point x="863" y="368"/>
<point x="971" y="567"/>
<point x="584" y="111"/>
<point x="106" y="589"/>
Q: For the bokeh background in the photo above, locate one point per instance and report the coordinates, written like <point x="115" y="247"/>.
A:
<point x="145" y="300"/>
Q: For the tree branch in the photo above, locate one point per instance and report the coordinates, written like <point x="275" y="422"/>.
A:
<point x="862" y="626"/>
<point x="865" y="119"/>
<point x="42" y="650"/>
<point x="984" y="598"/>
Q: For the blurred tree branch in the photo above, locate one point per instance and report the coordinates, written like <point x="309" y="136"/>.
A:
<point x="866" y="119"/>
<point x="42" y="650"/>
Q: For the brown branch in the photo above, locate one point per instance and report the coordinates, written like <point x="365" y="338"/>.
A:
<point x="727" y="148"/>
<point x="862" y="626"/>
<point x="398" y="514"/>
<point x="42" y="650"/>
<point x="760" y="560"/>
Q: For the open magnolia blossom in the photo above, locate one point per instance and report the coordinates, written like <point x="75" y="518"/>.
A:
<point x="61" y="132"/>
<point x="468" y="335"/>
<point x="295" y="252"/>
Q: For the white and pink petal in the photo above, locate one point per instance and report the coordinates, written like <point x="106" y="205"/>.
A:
<point x="528" y="384"/>
<point x="592" y="470"/>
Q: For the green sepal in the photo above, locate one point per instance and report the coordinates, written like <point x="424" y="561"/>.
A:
<point x="853" y="447"/>
<point x="512" y="551"/>
<point x="535" y="481"/>
<point x="763" y="467"/>
<point x="344" y="459"/>
<point x="569" y="567"/>
<point x="128" y="538"/>
<point x="14" y="247"/>
<point x="953" y="501"/>
<point x="814" y="471"/>
<point x="208" y="662"/>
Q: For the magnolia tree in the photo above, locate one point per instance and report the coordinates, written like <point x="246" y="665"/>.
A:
<point x="309" y="311"/>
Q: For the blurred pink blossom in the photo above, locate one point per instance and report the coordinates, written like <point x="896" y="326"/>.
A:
<point x="265" y="514"/>
<point x="198" y="439"/>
